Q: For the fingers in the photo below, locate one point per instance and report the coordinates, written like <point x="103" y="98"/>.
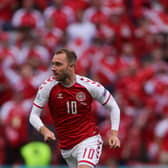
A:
<point x="114" y="143"/>
<point x="53" y="137"/>
<point x="114" y="146"/>
<point x="49" y="137"/>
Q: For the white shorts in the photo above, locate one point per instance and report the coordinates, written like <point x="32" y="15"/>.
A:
<point x="86" y="152"/>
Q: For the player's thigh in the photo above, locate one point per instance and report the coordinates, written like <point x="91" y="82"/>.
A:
<point x="71" y="162"/>
<point x="89" y="152"/>
<point x="84" y="166"/>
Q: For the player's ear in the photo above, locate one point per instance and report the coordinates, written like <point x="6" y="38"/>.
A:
<point x="71" y="65"/>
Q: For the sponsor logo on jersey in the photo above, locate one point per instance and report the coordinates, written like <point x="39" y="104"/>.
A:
<point x="83" y="103"/>
<point x="80" y="96"/>
<point x="59" y="96"/>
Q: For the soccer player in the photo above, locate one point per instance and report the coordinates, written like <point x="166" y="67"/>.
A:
<point x="69" y="97"/>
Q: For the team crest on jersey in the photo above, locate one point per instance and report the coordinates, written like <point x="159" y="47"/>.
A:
<point x="80" y="96"/>
<point x="59" y="96"/>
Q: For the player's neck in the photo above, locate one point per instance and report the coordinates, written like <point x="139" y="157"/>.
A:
<point x="69" y="81"/>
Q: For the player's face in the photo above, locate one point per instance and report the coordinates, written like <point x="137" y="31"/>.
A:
<point x="60" y="67"/>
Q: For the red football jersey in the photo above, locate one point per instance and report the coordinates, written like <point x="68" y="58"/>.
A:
<point x="70" y="108"/>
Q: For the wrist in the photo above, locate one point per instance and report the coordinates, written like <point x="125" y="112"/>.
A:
<point x="42" y="129"/>
<point x="114" y="132"/>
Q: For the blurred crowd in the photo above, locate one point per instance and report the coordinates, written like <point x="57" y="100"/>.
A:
<point x="123" y="44"/>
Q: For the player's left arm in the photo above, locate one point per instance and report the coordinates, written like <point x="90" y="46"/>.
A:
<point x="105" y="98"/>
<point x="113" y="107"/>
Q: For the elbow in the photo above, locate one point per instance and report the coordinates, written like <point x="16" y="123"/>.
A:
<point x="31" y="119"/>
<point x="118" y="109"/>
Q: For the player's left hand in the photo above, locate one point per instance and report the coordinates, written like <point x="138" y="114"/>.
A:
<point x="114" y="141"/>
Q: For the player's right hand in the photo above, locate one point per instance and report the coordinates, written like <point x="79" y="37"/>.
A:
<point x="48" y="135"/>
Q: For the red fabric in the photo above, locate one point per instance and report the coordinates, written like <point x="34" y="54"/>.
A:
<point x="138" y="7"/>
<point x="29" y="90"/>
<point x="51" y="39"/>
<point x="6" y="91"/>
<point x="28" y="20"/>
<point x="71" y="129"/>
<point x="41" y="4"/>
<point x="107" y="66"/>
<point x="164" y="142"/>
<point x="164" y="3"/>
<point x="85" y="62"/>
<point x="116" y="6"/>
<point x="118" y="28"/>
<point x="98" y="17"/>
<point x="131" y="89"/>
<point x="2" y="145"/>
<point x="60" y="19"/>
<point x="16" y="125"/>
<point x="6" y="11"/>
<point x="6" y="52"/>
<point x="76" y="5"/>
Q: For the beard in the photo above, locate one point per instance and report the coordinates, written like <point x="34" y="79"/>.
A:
<point x="62" y="76"/>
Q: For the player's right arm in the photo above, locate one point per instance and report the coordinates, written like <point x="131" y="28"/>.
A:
<point x="38" y="105"/>
<point x="37" y="123"/>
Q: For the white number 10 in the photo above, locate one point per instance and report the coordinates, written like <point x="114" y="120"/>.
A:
<point x="71" y="107"/>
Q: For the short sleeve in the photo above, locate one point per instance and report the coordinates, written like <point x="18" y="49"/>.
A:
<point x="43" y="92"/>
<point x="41" y="97"/>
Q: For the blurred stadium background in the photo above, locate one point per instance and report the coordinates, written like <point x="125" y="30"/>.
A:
<point x="121" y="43"/>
